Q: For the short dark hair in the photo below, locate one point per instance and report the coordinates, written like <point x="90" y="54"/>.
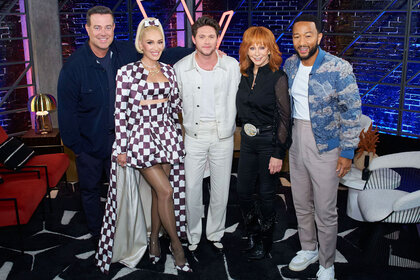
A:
<point x="310" y="18"/>
<point x="102" y="10"/>
<point x="203" y="21"/>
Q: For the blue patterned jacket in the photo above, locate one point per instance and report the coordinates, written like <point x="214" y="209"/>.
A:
<point x="334" y="102"/>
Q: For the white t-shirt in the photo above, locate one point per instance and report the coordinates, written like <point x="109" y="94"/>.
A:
<point x="207" y="110"/>
<point x="300" y="93"/>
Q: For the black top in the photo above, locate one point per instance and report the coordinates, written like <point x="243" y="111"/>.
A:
<point x="111" y="73"/>
<point x="83" y="98"/>
<point x="268" y="103"/>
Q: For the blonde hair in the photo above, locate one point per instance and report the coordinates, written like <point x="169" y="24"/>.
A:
<point x="261" y="36"/>
<point x="141" y="29"/>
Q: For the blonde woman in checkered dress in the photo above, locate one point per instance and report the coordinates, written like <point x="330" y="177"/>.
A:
<point x="149" y="142"/>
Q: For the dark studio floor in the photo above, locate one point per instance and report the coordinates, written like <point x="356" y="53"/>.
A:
<point x="60" y="248"/>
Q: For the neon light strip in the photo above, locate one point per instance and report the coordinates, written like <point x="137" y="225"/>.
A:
<point x="199" y="8"/>
<point x="281" y="35"/>
<point x="27" y="55"/>
<point x="358" y="37"/>
<point x="142" y="8"/>
<point x="230" y="13"/>
<point x="240" y="5"/>
<point x="180" y="33"/>
<point x="258" y="4"/>
<point x="383" y="78"/>
<point x="187" y="11"/>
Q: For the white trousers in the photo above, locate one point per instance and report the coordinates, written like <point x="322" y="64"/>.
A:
<point x="219" y="153"/>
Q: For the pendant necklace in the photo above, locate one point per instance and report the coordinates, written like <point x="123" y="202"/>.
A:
<point x="151" y="69"/>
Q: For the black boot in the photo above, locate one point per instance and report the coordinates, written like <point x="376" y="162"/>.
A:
<point x="263" y="241"/>
<point x="252" y="228"/>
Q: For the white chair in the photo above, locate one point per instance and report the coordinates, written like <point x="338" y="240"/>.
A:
<point x="365" y="122"/>
<point x="386" y="208"/>
<point x="380" y="201"/>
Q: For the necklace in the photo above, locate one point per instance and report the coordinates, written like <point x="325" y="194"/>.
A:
<point x="153" y="70"/>
<point x="148" y="66"/>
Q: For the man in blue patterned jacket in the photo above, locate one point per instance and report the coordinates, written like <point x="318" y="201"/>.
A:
<point x="326" y="113"/>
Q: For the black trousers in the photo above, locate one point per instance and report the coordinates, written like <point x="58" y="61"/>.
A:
<point x="90" y="171"/>
<point x="254" y="158"/>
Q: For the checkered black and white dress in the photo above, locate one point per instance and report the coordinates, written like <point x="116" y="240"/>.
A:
<point x="149" y="135"/>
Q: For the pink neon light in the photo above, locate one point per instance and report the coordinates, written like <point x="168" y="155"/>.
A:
<point x="180" y="35"/>
<point x="230" y="13"/>
<point x="141" y="8"/>
<point x="26" y="54"/>
<point x="199" y="8"/>
<point x="187" y="12"/>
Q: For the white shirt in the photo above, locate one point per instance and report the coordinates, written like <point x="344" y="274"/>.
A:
<point x="207" y="112"/>
<point x="300" y="93"/>
<point x="227" y="76"/>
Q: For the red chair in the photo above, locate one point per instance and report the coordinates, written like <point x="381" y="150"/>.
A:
<point x="51" y="166"/>
<point x="22" y="191"/>
<point x="20" y="195"/>
<point x="3" y="135"/>
<point x="54" y="165"/>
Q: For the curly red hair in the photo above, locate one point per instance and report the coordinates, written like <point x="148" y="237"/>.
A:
<point x="261" y="36"/>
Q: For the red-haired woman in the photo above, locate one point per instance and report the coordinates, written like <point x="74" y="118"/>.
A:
<point x="264" y="109"/>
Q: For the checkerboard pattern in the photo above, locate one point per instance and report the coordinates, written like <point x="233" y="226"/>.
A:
<point x="149" y="134"/>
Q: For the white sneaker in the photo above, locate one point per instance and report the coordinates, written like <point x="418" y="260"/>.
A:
<point x="303" y="259"/>
<point x="325" y="273"/>
<point x="192" y="247"/>
<point x="217" y="244"/>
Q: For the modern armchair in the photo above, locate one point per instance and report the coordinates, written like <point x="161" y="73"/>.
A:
<point x="390" y="198"/>
<point x="22" y="190"/>
<point x="20" y="195"/>
<point x="392" y="192"/>
<point x="365" y="122"/>
<point x="51" y="166"/>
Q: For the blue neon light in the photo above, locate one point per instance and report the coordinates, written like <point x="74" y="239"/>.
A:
<point x="293" y="21"/>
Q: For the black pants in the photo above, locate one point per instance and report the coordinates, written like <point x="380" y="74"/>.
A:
<point x="254" y="158"/>
<point x="90" y="171"/>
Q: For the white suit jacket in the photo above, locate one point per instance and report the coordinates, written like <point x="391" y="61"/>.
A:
<point x="227" y="77"/>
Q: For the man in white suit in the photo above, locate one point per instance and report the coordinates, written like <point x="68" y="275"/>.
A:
<point x="208" y="84"/>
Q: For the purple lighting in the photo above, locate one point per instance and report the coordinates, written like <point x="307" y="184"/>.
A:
<point x="26" y="53"/>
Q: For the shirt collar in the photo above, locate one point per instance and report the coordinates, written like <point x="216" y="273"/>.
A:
<point x="265" y="69"/>
<point x="219" y="64"/>
<point x="93" y="57"/>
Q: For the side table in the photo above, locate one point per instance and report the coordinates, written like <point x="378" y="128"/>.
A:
<point x="353" y="180"/>
<point x="44" y="143"/>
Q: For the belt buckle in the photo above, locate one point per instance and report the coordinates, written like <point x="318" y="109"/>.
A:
<point x="250" y="129"/>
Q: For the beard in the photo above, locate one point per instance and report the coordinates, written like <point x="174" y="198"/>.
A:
<point x="206" y="53"/>
<point x="312" y="51"/>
